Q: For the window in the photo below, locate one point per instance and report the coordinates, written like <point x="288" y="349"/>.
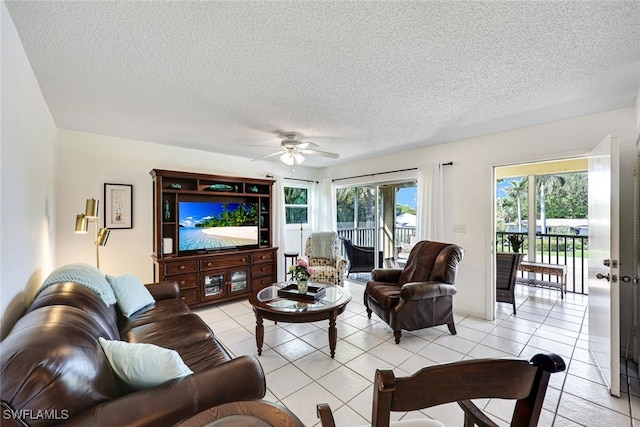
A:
<point x="296" y="205"/>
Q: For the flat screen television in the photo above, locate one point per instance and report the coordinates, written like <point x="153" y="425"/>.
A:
<point x="206" y="226"/>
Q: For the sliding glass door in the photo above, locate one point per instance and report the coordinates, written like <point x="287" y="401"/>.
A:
<point x="380" y="215"/>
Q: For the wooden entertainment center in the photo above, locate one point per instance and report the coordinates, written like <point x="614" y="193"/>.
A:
<point x="207" y="275"/>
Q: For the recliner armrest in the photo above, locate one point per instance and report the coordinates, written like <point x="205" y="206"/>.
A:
<point x="389" y="275"/>
<point x="425" y="290"/>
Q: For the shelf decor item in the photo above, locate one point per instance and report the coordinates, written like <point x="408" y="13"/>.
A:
<point x="167" y="245"/>
<point x="117" y="206"/>
<point x="220" y="187"/>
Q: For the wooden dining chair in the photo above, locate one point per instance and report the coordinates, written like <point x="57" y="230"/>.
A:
<point x="516" y="379"/>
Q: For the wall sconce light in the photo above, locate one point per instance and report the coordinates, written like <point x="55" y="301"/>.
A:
<point x="82" y="224"/>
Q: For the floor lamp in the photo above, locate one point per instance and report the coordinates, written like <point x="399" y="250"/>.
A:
<point x="82" y="224"/>
<point x="301" y="248"/>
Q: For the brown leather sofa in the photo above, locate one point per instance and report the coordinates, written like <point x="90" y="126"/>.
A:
<point x="420" y="295"/>
<point x="53" y="369"/>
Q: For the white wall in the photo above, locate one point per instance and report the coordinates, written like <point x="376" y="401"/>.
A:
<point x="470" y="186"/>
<point x="27" y="156"/>
<point x="87" y="161"/>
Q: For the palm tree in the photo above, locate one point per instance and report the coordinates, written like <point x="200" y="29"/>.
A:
<point x="545" y="184"/>
<point x="517" y="189"/>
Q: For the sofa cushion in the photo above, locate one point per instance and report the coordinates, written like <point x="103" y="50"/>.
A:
<point x="203" y="355"/>
<point x="78" y="296"/>
<point x="325" y="274"/>
<point x="142" y="366"/>
<point x="162" y="309"/>
<point x="385" y="294"/>
<point x="131" y="294"/>
<point x="174" y="332"/>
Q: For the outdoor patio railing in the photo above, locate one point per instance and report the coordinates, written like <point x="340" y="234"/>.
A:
<point x="563" y="249"/>
<point x="366" y="236"/>
<point x="569" y="250"/>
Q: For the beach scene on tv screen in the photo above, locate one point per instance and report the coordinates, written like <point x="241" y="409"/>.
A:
<point x="211" y="225"/>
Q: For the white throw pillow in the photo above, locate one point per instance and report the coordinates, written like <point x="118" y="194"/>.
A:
<point x="131" y="294"/>
<point x="143" y="365"/>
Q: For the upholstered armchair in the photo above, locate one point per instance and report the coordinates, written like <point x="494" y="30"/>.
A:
<point x="421" y="294"/>
<point x="323" y="252"/>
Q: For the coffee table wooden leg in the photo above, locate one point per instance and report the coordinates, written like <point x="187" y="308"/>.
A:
<point x="333" y="332"/>
<point x="259" y="333"/>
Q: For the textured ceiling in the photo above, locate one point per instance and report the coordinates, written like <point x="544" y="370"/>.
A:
<point x="357" y="78"/>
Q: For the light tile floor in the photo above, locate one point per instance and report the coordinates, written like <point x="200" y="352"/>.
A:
<point x="300" y="372"/>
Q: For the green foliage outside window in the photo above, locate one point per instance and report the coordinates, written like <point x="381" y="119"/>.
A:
<point x="365" y="199"/>
<point x="296" y="205"/>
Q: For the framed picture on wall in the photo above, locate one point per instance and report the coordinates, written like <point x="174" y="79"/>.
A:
<point x="118" y="200"/>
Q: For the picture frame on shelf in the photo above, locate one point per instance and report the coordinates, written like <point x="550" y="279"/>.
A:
<point x="118" y="202"/>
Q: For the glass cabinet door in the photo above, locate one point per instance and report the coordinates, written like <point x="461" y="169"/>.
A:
<point x="213" y="284"/>
<point x="239" y="281"/>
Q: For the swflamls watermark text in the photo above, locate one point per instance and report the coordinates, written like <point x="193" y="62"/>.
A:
<point x="30" y="414"/>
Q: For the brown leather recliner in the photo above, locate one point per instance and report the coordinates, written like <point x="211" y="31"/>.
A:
<point x="420" y="295"/>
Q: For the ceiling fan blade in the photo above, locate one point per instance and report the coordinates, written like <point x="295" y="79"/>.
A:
<point x="267" y="156"/>
<point x="305" y="145"/>
<point x="321" y="153"/>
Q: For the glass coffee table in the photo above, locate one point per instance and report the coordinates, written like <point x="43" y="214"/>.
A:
<point x="268" y="304"/>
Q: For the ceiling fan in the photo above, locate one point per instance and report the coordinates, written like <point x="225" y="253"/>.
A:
<point x="292" y="149"/>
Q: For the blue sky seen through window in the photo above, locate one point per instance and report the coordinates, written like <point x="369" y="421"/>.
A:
<point x="407" y="196"/>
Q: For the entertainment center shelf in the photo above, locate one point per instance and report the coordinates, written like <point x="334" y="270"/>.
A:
<point x="212" y="235"/>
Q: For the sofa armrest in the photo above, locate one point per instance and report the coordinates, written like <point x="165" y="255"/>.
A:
<point x="169" y="403"/>
<point x="425" y="290"/>
<point x="164" y="290"/>
<point x="389" y="275"/>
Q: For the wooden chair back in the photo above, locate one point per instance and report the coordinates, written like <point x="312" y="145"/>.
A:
<point x="524" y="381"/>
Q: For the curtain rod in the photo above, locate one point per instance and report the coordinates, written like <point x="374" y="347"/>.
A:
<point x="300" y="179"/>
<point x="382" y="173"/>
<point x="295" y="179"/>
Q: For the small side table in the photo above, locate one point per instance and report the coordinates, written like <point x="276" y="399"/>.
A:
<point x="293" y="256"/>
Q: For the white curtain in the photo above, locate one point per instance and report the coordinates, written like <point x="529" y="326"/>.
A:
<point x="430" y="218"/>
<point x="278" y="223"/>
<point x="325" y="211"/>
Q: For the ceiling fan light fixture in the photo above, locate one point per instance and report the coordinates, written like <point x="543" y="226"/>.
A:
<point x="287" y="159"/>
<point x="290" y="158"/>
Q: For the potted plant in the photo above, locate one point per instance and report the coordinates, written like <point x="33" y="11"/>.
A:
<point x="515" y="241"/>
<point x="300" y="272"/>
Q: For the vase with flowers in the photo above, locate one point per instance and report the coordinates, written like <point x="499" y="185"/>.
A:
<point x="300" y="272"/>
